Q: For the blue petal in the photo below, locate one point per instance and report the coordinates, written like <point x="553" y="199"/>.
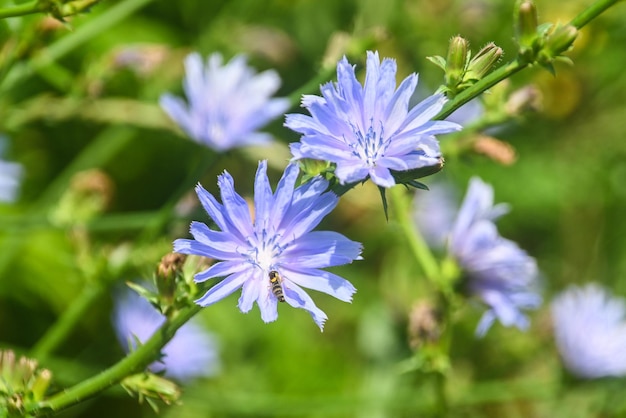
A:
<point x="348" y="86"/>
<point x="423" y="112"/>
<point x="397" y="108"/>
<point x="299" y="222"/>
<point x="213" y="208"/>
<point x="298" y="298"/>
<point x="189" y="246"/>
<point x="235" y="206"/>
<point x="319" y="249"/>
<point x="351" y="171"/>
<point x="320" y="280"/>
<point x="263" y="197"/>
<point x="267" y="304"/>
<point x="284" y="193"/>
<point x="382" y="176"/>
<point x="250" y="292"/>
<point x="222" y="242"/>
<point x="223" y="288"/>
<point x="221" y="269"/>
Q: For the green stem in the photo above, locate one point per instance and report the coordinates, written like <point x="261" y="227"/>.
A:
<point x="591" y="13"/>
<point x="419" y="247"/>
<point x="513" y="67"/>
<point x="477" y="89"/>
<point x="82" y="34"/>
<point x="133" y="363"/>
<point x="57" y="333"/>
<point x="23" y="9"/>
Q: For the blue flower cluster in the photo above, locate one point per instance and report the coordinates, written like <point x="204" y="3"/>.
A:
<point x="366" y="131"/>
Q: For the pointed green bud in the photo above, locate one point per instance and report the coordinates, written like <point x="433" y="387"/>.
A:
<point x="526" y="22"/>
<point x="457" y="61"/>
<point x="148" y="387"/>
<point x="561" y="39"/>
<point x="483" y="62"/>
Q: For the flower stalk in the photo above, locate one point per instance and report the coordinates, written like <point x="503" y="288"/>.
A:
<point x="134" y="362"/>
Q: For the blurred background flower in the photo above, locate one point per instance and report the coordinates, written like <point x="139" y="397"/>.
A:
<point x="590" y="331"/>
<point x="193" y="352"/>
<point x="227" y="103"/>
<point x="497" y="271"/>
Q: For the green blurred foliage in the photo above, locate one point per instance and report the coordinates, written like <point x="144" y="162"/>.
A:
<point x="96" y="106"/>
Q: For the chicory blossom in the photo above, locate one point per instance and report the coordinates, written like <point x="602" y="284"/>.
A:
<point x="191" y="353"/>
<point x="369" y="130"/>
<point x="277" y="238"/>
<point x="498" y="272"/>
<point x="227" y="103"/>
<point x="590" y="331"/>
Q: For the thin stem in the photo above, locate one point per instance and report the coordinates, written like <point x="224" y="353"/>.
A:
<point x="23" y="9"/>
<point x="82" y="34"/>
<point x="591" y="13"/>
<point x="57" y="333"/>
<point x="477" y="89"/>
<point x="513" y="67"/>
<point x="420" y="249"/>
<point x="134" y="362"/>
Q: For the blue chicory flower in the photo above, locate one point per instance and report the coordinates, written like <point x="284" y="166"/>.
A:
<point x="191" y="353"/>
<point x="369" y="130"/>
<point x="590" y="331"/>
<point x="227" y="103"/>
<point x="278" y="238"/>
<point x="498" y="272"/>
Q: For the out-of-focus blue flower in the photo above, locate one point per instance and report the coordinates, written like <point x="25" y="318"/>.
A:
<point x="368" y="130"/>
<point x="10" y="177"/>
<point x="435" y="212"/>
<point x="501" y="274"/>
<point x="590" y="331"/>
<point x="227" y="103"/>
<point x="191" y="353"/>
<point x="279" y="238"/>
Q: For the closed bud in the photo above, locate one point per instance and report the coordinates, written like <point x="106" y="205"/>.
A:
<point x="526" y="23"/>
<point x="483" y="62"/>
<point x="457" y="60"/>
<point x="150" y="387"/>
<point x="561" y="39"/>
<point x="168" y="271"/>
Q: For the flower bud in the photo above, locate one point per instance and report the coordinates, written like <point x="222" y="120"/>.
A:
<point x="149" y="387"/>
<point x="561" y="39"/>
<point x="168" y="271"/>
<point x="484" y="60"/>
<point x="21" y="382"/>
<point x="457" y="60"/>
<point x="526" y="23"/>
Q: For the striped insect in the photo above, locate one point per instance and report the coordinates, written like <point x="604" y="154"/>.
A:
<point x="277" y="287"/>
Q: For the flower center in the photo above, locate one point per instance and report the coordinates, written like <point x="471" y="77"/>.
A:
<point x="265" y="249"/>
<point x="370" y="146"/>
